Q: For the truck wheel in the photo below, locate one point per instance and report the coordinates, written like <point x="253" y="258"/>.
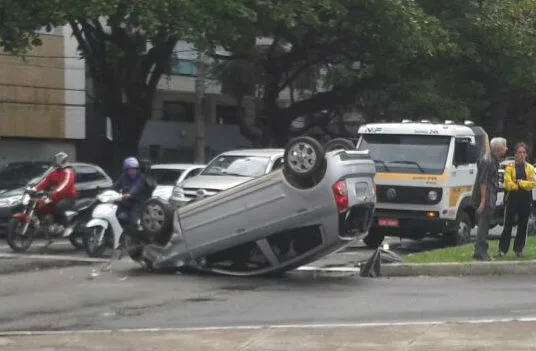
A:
<point x="304" y="162"/>
<point x="339" y="144"/>
<point x="373" y="239"/>
<point x="157" y="219"/>
<point x="462" y="234"/>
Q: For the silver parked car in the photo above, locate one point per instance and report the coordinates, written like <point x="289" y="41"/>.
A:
<point x="225" y="171"/>
<point x="169" y="175"/>
<point x="318" y="203"/>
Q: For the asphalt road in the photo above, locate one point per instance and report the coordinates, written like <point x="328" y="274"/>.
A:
<point x="68" y="298"/>
<point x="300" y="305"/>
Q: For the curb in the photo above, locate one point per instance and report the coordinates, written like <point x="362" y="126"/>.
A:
<point x="459" y="269"/>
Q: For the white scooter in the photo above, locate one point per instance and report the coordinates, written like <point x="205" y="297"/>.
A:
<point x="104" y="227"/>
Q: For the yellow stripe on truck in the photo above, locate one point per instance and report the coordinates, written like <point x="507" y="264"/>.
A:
<point x="411" y="176"/>
<point x="456" y="192"/>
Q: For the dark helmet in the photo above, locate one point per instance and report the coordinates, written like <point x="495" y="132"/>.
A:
<point x="60" y="160"/>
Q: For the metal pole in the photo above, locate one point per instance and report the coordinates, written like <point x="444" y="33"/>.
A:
<point x="199" y="116"/>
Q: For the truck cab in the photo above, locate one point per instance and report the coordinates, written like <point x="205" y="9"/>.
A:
<point x="424" y="180"/>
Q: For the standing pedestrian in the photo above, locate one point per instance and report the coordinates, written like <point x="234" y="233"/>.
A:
<point x="485" y="194"/>
<point x="518" y="185"/>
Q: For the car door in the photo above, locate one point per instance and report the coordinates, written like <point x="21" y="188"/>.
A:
<point x="89" y="180"/>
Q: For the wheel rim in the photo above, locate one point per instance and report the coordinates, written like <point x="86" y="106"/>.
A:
<point x="464" y="231"/>
<point x="153" y="217"/>
<point x="20" y="240"/>
<point x="93" y="240"/>
<point x="301" y="157"/>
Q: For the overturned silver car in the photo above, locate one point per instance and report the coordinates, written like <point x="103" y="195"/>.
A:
<point x="318" y="203"/>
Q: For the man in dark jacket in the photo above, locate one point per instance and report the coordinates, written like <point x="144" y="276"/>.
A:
<point x="485" y="194"/>
<point x="136" y="190"/>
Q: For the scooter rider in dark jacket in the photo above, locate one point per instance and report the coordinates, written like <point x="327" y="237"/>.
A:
<point x="135" y="189"/>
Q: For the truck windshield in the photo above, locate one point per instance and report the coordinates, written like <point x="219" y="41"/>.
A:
<point x="425" y="154"/>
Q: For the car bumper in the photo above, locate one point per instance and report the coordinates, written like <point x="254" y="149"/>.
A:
<point x="410" y="224"/>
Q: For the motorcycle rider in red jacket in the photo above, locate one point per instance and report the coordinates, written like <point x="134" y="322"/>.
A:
<point x="62" y="193"/>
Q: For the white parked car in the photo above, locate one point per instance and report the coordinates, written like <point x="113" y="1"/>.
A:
<point x="167" y="176"/>
<point x="227" y="170"/>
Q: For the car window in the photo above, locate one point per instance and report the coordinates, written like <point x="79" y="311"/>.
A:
<point x="242" y="166"/>
<point x="85" y="174"/>
<point x="20" y="173"/>
<point x="193" y="173"/>
<point x="166" y="176"/>
<point x="277" y="164"/>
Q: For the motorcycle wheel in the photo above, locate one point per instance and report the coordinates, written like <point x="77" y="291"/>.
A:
<point x="92" y="247"/>
<point x="77" y="236"/>
<point x="17" y="241"/>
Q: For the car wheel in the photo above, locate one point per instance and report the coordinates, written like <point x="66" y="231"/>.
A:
<point x="157" y="219"/>
<point x="339" y="144"/>
<point x="462" y="234"/>
<point x="304" y="162"/>
<point x="373" y="239"/>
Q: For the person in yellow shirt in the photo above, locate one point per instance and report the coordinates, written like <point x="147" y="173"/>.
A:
<point x="518" y="185"/>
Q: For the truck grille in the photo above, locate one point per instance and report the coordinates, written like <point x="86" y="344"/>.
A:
<point x="194" y="193"/>
<point x="406" y="194"/>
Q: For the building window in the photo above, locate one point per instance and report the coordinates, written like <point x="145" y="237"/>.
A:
<point x="228" y="114"/>
<point x="178" y="111"/>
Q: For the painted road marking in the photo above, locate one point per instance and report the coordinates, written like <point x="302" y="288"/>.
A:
<point x="268" y="326"/>
<point x="54" y="257"/>
<point x="343" y="269"/>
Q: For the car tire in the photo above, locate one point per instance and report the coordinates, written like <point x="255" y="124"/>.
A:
<point x="157" y="219"/>
<point x="373" y="239"/>
<point x="462" y="234"/>
<point x="339" y="144"/>
<point x="304" y="162"/>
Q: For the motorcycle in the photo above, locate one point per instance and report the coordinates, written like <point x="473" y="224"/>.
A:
<point x="36" y="220"/>
<point x="105" y="229"/>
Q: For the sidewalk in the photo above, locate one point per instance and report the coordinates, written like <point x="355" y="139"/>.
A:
<point x="514" y="335"/>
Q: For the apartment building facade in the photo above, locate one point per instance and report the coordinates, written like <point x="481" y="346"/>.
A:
<point x="42" y="100"/>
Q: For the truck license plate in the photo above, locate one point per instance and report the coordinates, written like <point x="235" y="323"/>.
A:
<point x="388" y="222"/>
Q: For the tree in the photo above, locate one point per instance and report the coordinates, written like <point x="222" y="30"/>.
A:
<point x="494" y="63"/>
<point x="127" y="47"/>
<point x="358" y="46"/>
<point x="20" y="19"/>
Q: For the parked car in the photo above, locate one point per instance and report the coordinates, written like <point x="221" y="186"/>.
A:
<point x="227" y="170"/>
<point x="89" y="179"/>
<point x="318" y="203"/>
<point x="169" y="175"/>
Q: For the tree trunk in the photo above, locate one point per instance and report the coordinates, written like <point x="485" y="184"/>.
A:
<point x="127" y="127"/>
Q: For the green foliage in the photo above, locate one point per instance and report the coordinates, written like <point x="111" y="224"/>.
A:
<point x="19" y="20"/>
<point x="397" y="57"/>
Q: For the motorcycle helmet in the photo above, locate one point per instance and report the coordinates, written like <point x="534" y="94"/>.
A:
<point x="131" y="167"/>
<point x="59" y="160"/>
